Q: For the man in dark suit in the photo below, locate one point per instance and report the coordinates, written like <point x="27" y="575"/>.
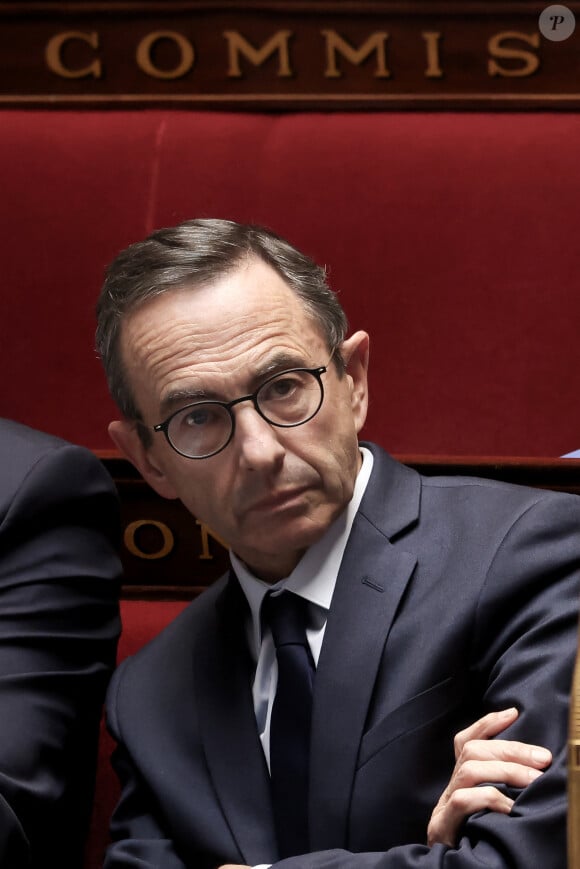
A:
<point x="429" y="602"/>
<point x="59" y="586"/>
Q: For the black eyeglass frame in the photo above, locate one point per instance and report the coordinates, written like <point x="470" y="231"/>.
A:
<point x="253" y="397"/>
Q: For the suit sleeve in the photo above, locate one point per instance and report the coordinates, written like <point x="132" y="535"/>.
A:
<point x="59" y="624"/>
<point x="138" y="839"/>
<point x="523" y="649"/>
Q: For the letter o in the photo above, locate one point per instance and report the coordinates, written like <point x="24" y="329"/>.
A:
<point x="166" y="533"/>
<point x="145" y="47"/>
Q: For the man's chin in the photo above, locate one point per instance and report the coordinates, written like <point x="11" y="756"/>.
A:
<point x="277" y="552"/>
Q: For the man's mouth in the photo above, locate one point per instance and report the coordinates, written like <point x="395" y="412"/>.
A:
<point x="278" y="500"/>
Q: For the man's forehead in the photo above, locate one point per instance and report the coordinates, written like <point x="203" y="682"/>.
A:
<point x="175" y="352"/>
<point x="253" y="290"/>
<point x="211" y="384"/>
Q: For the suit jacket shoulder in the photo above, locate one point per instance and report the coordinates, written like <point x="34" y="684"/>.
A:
<point x="59" y="623"/>
<point x="71" y="468"/>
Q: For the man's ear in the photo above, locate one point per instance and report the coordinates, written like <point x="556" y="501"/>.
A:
<point x="355" y="352"/>
<point x="126" y="438"/>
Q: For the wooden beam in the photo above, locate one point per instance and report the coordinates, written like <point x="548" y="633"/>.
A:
<point x="308" y="54"/>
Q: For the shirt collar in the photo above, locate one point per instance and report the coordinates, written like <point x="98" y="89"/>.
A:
<point x="314" y="577"/>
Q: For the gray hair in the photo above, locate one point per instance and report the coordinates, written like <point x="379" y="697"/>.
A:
<point x="195" y="253"/>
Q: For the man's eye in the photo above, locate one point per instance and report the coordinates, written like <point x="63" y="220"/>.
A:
<point x="285" y="387"/>
<point x="200" y="416"/>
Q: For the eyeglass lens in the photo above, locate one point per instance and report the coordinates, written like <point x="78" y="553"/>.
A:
<point x="291" y="398"/>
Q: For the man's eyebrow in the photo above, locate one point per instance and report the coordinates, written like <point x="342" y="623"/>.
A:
<point x="182" y="397"/>
<point x="279" y="362"/>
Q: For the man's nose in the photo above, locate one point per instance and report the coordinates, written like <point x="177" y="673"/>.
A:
<point x="256" y="440"/>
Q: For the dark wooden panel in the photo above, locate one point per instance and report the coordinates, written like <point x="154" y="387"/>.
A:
<point x="167" y="554"/>
<point x="285" y="55"/>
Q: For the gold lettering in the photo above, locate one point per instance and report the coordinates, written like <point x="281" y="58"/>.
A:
<point x="206" y="533"/>
<point x="134" y="549"/>
<point x="238" y="44"/>
<point x="336" y="44"/>
<point x="433" y="68"/>
<point x="54" y="49"/>
<point x="145" y="50"/>
<point x="530" y="61"/>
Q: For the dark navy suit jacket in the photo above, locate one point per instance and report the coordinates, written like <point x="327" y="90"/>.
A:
<point x="59" y="587"/>
<point x="455" y="597"/>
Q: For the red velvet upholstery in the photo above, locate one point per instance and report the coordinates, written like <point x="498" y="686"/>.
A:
<point x="451" y="237"/>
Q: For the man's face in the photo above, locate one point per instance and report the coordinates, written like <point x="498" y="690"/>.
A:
<point x="272" y="492"/>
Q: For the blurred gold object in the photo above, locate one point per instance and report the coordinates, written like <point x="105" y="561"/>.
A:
<point x="574" y="772"/>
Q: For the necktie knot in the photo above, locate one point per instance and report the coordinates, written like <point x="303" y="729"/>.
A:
<point x="286" y="615"/>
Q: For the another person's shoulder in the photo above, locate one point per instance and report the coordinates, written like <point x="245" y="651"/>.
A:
<point x="29" y="454"/>
<point x="22" y="446"/>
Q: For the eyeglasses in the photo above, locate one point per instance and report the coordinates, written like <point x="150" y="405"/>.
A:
<point x="285" y="400"/>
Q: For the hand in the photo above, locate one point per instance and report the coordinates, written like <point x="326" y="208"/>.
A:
<point x="481" y="759"/>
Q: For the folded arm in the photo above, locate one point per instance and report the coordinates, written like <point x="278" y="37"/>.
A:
<point x="59" y="579"/>
<point x="479" y="759"/>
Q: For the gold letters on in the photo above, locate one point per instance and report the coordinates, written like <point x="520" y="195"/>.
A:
<point x="166" y="535"/>
<point x="145" y="48"/>
<point x="432" y="44"/>
<point x="53" y="55"/>
<point x="530" y="61"/>
<point x="238" y="44"/>
<point x="79" y="54"/>
<point x="167" y="541"/>
<point x="206" y="533"/>
<point x="336" y="44"/>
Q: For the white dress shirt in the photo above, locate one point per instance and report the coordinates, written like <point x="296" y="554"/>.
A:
<point x="313" y="579"/>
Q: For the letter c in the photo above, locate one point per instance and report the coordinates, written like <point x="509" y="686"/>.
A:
<point x="53" y="55"/>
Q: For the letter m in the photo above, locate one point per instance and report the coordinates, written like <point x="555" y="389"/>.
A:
<point x="335" y="44"/>
<point x="238" y="44"/>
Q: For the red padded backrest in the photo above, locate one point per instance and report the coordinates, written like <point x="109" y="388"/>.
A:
<point x="450" y="237"/>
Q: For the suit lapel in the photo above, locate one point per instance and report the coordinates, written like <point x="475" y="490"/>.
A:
<point x="372" y="579"/>
<point x="234" y="754"/>
<point x="370" y="584"/>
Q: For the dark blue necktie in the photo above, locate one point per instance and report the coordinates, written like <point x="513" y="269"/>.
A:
<point x="290" y="722"/>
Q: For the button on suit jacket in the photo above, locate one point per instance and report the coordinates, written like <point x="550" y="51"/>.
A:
<point x="59" y="586"/>
<point x="455" y="597"/>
